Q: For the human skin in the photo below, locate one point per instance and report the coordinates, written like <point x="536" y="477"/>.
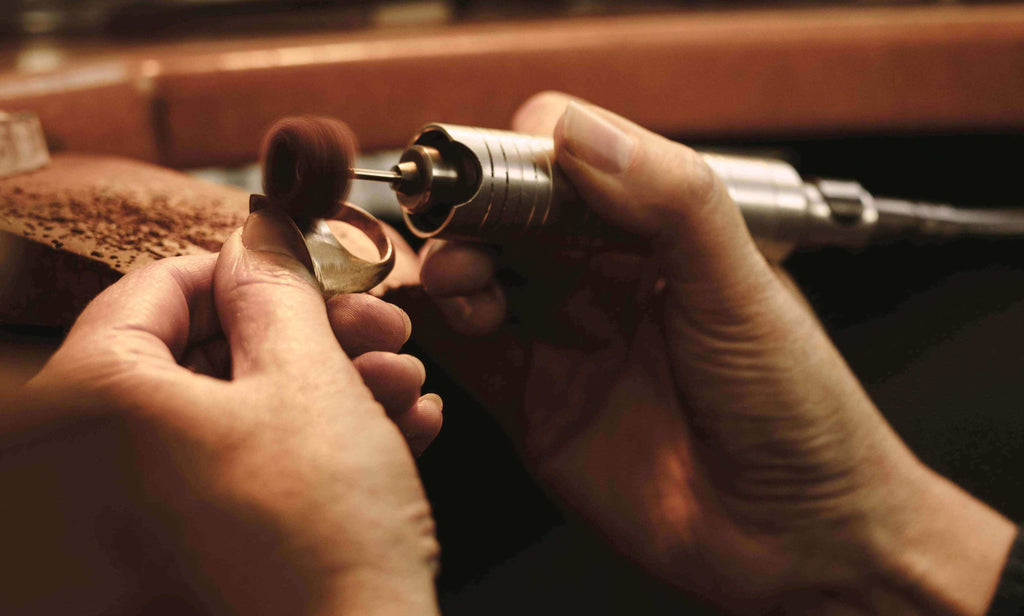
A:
<point x="691" y="407"/>
<point x="203" y="443"/>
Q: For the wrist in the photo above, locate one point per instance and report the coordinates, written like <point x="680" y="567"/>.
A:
<point x="940" y="550"/>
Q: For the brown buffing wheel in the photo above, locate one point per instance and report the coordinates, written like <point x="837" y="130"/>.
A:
<point x="306" y="161"/>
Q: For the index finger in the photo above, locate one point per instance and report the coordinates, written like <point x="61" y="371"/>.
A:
<point x="170" y="303"/>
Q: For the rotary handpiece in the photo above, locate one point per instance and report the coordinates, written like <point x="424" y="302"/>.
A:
<point x="493" y="186"/>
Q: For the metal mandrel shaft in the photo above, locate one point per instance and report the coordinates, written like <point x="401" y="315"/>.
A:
<point x="375" y="175"/>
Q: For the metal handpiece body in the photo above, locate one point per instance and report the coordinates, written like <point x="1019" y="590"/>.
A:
<point x="493" y="186"/>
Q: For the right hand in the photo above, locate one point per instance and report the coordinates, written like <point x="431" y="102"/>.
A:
<point x="700" y="417"/>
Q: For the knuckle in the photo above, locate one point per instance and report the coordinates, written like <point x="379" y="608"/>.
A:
<point x="172" y="267"/>
<point x="261" y="279"/>
<point x="672" y="182"/>
<point x="160" y="267"/>
<point x="272" y="270"/>
<point x="155" y="272"/>
<point x="702" y="182"/>
<point x="694" y="183"/>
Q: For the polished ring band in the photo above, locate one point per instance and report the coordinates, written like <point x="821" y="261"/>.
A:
<point x="336" y="269"/>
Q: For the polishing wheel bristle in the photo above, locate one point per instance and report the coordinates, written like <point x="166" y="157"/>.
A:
<point x="306" y="162"/>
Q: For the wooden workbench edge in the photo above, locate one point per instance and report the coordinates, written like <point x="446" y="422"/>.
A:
<point x="779" y="72"/>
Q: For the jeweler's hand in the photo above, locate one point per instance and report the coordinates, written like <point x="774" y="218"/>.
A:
<point x="202" y="443"/>
<point x="691" y="407"/>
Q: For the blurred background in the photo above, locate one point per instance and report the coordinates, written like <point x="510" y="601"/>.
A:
<point x="919" y="100"/>
<point x="145" y="18"/>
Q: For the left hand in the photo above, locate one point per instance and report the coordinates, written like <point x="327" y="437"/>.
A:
<point x="210" y="436"/>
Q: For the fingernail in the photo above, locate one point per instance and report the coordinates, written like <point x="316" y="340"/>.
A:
<point x="416" y="363"/>
<point x="269" y="230"/>
<point x="433" y="399"/>
<point x="595" y="140"/>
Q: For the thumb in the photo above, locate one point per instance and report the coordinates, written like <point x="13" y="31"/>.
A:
<point x="271" y="309"/>
<point x="663" y="190"/>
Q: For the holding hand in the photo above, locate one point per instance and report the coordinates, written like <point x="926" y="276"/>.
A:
<point x="700" y="417"/>
<point x="283" y="490"/>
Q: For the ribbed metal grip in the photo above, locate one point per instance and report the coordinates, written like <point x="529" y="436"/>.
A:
<point x="517" y="193"/>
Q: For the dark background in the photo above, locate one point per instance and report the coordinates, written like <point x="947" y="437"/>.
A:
<point x="151" y="19"/>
